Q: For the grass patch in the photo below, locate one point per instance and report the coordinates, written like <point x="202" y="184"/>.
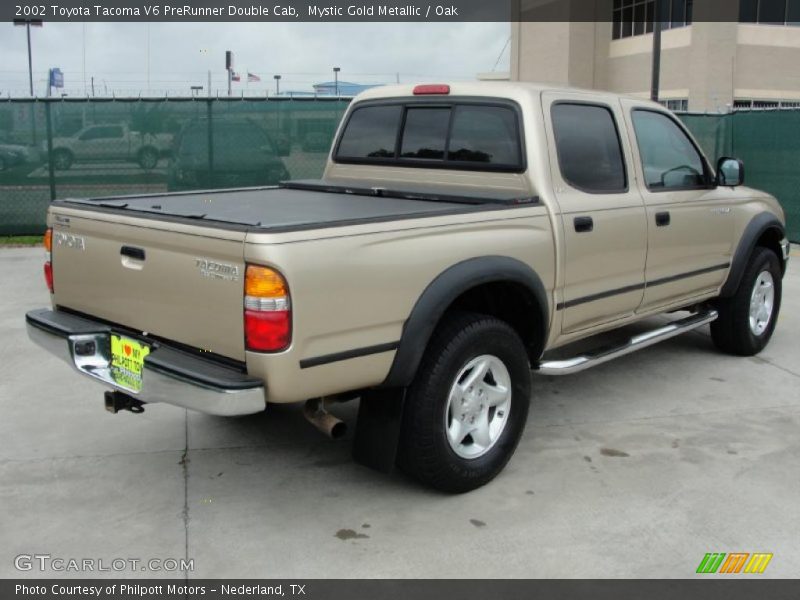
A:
<point x="20" y="240"/>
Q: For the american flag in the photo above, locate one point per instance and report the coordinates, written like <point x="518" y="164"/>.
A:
<point x="235" y="76"/>
<point x="252" y="78"/>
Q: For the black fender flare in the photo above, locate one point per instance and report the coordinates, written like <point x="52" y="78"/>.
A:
<point x="440" y="294"/>
<point x="754" y="230"/>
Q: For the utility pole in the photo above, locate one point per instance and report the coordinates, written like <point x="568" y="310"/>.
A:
<point x="277" y="85"/>
<point x="336" y="79"/>
<point x="84" y="58"/>
<point x="655" y="83"/>
<point x="148" y="58"/>
<point x="229" y="68"/>
<point x="30" y="59"/>
<point x="28" y="23"/>
<point x="92" y="86"/>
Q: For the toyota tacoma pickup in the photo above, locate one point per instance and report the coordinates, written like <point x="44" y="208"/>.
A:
<point x="459" y="234"/>
<point x="110" y="142"/>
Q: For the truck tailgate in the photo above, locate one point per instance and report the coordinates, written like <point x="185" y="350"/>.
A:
<point x="183" y="287"/>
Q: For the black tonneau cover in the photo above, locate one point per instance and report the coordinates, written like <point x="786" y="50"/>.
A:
<point x="299" y="205"/>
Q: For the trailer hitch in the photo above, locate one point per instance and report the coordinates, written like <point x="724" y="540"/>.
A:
<point x="116" y="401"/>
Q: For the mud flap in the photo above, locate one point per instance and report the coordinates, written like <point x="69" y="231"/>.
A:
<point x="380" y="415"/>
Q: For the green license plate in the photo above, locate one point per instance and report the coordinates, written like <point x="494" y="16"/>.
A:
<point x="127" y="362"/>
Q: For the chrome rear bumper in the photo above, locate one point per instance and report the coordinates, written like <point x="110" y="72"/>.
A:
<point x="170" y="375"/>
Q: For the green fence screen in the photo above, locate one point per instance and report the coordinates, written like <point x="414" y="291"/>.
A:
<point x="769" y="144"/>
<point x="87" y="148"/>
<point x="60" y="148"/>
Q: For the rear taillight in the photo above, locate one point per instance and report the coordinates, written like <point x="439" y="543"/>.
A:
<point x="48" y="265"/>
<point x="48" y="275"/>
<point x="267" y="310"/>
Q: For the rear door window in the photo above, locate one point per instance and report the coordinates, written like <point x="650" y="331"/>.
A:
<point x="588" y="147"/>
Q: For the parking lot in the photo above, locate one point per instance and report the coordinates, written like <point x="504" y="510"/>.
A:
<point x="635" y="469"/>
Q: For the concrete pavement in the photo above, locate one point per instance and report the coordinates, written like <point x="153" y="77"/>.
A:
<point x="634" y="469"/>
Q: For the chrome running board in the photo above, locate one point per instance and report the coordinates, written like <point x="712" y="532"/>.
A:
<point x="637" y="342"/>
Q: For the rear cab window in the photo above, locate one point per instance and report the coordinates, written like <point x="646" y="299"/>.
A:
<point x="452" y="134"/>
<point x="371" y="133"/>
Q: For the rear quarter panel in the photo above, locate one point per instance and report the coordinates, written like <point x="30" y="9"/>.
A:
<point x="354" y="287"/>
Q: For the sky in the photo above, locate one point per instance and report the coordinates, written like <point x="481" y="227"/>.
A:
<point x="181" y="54"/>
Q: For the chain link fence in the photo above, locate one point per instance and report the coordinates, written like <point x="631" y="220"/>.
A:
<point x="60" y="148"/>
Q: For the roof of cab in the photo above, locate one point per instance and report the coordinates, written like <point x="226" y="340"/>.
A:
<point x="515" y="90"/>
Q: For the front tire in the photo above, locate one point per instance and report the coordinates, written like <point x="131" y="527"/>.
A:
<point x="467" y="407"/>
<point x="747" y="319"/>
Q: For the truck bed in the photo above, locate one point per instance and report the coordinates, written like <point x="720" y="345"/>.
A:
<point x="145" y="279"/>
<point x="300" y="205"/>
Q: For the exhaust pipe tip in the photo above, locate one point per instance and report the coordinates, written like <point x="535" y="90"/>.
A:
<point x="338" y="430"/>
<point x="329" y="425"/>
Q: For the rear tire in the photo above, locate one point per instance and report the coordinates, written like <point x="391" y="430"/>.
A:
<point x="148" y="158"/>
<point x="747" y="319"/>
<point x="62" y="160"/>
<point x="467" y="407"/>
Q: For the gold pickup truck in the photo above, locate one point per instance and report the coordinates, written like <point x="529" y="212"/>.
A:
<point x="459" y="233"/>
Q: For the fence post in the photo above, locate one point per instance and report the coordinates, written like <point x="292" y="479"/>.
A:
<point x="210" y="143"/>
<point x="51" y="174"/>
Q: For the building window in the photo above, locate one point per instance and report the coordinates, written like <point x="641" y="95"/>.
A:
<point x="676" y="105"/>
<point x="770" y="12"/>
<point x="747" y="104"/>
<point x="636" y="17"/>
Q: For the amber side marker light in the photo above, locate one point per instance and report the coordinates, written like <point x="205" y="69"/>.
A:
<point x="48" y="265"/>
<point x="267" y="310"/>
